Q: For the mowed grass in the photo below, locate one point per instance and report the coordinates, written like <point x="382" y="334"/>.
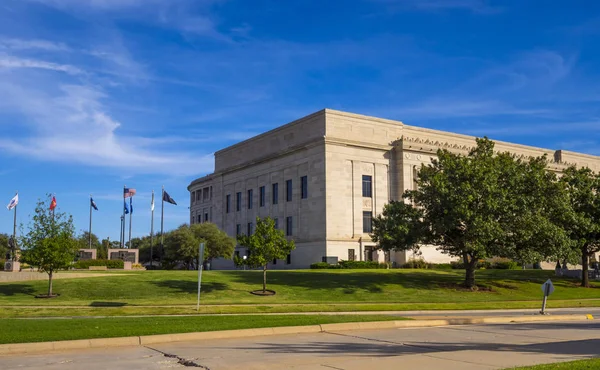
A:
<point x="373" y="289"/>
<point x="43" y="330"/>
<point x="593" y="364"/>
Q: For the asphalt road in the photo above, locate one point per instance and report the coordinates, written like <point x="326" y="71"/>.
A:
<point x="467" y="347"/>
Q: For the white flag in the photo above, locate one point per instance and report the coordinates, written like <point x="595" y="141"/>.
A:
<point x="13" y="202"/>
<point x="152" y="206"/>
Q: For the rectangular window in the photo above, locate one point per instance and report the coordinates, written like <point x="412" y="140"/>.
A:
<point x="275" y="193"/>
<point x="367" y="222"/>
<point x="288" y="190"/>
<point x="261" y="196"/>
<point x="193" y="197"/>
<point x="367" y="186"/>
<point x="249" y="228"/>
<point x="250" y="198"/>
<point x="206" y="217"/>
<point x="205" y="194"/>
<point x="198" y="194"/>
<point x="288" y="226"/>
<point x="276" y="223"/>
<point x="228" y="203"/>
<point x="288" y="260"/>
<point x="304" y="186"/>
<point x="274" y="261"/>
<point x="199" y="217"/>
<point x="238" y="201"/>
<point x="351" y="256"/>
<point x="238" y="230"/>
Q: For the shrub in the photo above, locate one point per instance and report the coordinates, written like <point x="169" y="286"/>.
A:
<point x="362" y="265"/>
<point x="319" y="265"/>
<point x="441" y="266"/>
<point x="506" y="265"/>
<point x="137" y="266"/>
<point x="111" y="264"/>
<point x="416" y="264"/>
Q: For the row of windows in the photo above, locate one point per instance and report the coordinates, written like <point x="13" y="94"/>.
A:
<point x="262" y="195"/>
<point x="201" y="194"/>
<point x="289" y="225"/>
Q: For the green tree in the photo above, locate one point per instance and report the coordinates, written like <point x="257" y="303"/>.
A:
<point x="217" y="242"/>
<point x="181" y="244"/>
<point x="266" y="244"/>
<point x="83" y="241"/>
<point x="398" y="227"/>
<point x="50" y="242"/>
<point x="583" y="228"/>
<point x="3" y="245"/>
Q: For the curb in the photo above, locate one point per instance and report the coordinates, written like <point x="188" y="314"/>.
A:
<point x="40" y="347"/>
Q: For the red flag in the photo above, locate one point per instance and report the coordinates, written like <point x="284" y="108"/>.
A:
<point x="53" y="203"/>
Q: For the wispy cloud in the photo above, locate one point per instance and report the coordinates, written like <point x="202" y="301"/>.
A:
<point x="7" y="61"/>
<point x="474" y="6"/>
<point x="21" y="44"/>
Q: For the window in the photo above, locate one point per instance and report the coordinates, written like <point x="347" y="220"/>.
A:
<point x="274" y="261"/>
<point x="206" y="217"/>
<point x="238" y="230"/>
<point x="199" y="217"/>
<point x="198" y="194"/>
<point x="250" y="200"/>
<point x="367" y="186"/>
<point x="367" y="222"/>
<point x="249" y="228"/>
<point x="193" y="197"/>
<point x="205" y="194"/>
<point x="288" y="190"/>
<point x="304" y="187"/>
<point x="237" y="254"/>
<point x="288" y="260"/>
<point x="228" y="203"/>
<point x="261" y="196"/>
<point x="351" y="256"/>
<point x="288" y="226"/>
<point x="275" y="193"/>
<point x="276" y="223"/>
<point x="238" y="201"/>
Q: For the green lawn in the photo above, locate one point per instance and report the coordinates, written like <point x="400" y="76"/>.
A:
<point x="42" y="330"/>
<point x="593" y="364"/>
<point x="332" y="290"/>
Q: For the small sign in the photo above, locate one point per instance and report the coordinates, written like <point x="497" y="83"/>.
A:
<point x="548" y="287"/>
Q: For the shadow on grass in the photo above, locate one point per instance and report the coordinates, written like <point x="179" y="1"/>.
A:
<point x="15" y="289"/>
<point x="108" y="304"/>
<point x="187" y="286"/>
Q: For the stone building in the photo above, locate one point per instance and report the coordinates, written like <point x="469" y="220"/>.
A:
<point x="324" y="177"/>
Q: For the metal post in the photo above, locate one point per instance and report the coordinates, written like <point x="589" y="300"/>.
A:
<point x="547" y="288"/>
<point x="90" y="232"/>
<point x="152" y="230"/>
<point x="14" y="248"/>
<point x="200" y="267"/>
<point x="162" y="216"/>
<point x="130" y="218"/>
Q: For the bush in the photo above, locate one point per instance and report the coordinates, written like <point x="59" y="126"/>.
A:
<point x="441" y="266"/>
<point x="111" y="264"/>
<point x="319" y="265"/>
<point x="415" y="264"/>
<point x="506" y="265"/>
<point x="137" y="266"/>
<point x="350" y="265"/>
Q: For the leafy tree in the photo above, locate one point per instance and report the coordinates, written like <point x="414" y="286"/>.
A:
<point x="218" y="243"/>
<point x="398" y="227"/>
<point x="583" y="228"/>
<point x="181" y="245"/>
<point x="83" y="241"/>
<point x="3" y="245"/>
<point x="50" y="242"/>
<point x="266" y="244"/>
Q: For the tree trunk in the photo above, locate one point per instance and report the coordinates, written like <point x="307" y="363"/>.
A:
<point x="264" y="278"/>
<point x="50" y="284"/>
<point x="470" y="273"/>
<point x="585" y="279"/>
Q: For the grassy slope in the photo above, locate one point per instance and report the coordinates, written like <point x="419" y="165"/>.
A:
<point x="40" y="330"/>
<point x="573" y="365"/>
<point x="403" y="289"/>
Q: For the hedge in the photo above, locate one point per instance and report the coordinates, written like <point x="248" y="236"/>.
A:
<point x="350" y="265"/>
<point x="111" y="264"/>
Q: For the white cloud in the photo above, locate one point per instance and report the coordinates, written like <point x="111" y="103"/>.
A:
<point x="21" y="44"/>
<point x="7" y="61"/>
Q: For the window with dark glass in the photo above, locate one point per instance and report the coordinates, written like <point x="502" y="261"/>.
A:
<point x="206" y="217"/>
<point x="249" y="228"/>
<point x="367" y="222"/>
<point x="238" y="229"/>
<point x="228" y="203"/>
<point x="238" y="201"/>
<point x="275" y="193"/>
<point x="274" y="261"/>
<point x="288" y="190"/>
<point x="261" y="196"/>
<point x="199" y="219"/>
<point x="304" y="186"/>
<point x="367" y="186"/>
<point x="250" y="198"/>
<point x="276" y="223"/>
<point x="288" y="260"/>
<point x="288" y="226"/>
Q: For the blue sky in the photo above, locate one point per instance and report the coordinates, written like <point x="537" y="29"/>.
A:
<point x="98" y="94"/>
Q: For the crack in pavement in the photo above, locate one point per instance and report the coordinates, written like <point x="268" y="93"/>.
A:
<point x="180" y="360"/>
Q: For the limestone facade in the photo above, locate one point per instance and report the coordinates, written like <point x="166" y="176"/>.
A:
<point x="331" y="172"/>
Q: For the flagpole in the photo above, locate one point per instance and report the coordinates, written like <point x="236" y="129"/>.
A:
<point x="152" y="230"/>
<point x="162" y="216"/>
<point x="14" y="251"/>
<point x="130" y="218"/>
<point x="90" y="232"/>
<point x="123" y="220"/>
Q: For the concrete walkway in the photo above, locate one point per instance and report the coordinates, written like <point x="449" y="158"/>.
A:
<point x="471" y="347"/>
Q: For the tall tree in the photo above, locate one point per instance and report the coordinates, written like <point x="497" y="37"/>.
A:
<point x="583" y="188"/>
<point x="50" y="242"/>
<point x="83" y="240"/>
<point x="3" y="245"/>
<point x="265" y="245"/>
<point x="398" y="227"/>
<point x="218" y="243"/>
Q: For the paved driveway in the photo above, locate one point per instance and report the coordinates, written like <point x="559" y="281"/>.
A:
<point x="454" y="347"/>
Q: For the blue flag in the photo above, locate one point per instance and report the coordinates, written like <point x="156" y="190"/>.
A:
<point x="131" y="204"/>
<point x="94" y="206"/>
<point x="125" y="207"/>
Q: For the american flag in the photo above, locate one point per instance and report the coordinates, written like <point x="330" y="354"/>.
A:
<point x="128" y="192"/>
